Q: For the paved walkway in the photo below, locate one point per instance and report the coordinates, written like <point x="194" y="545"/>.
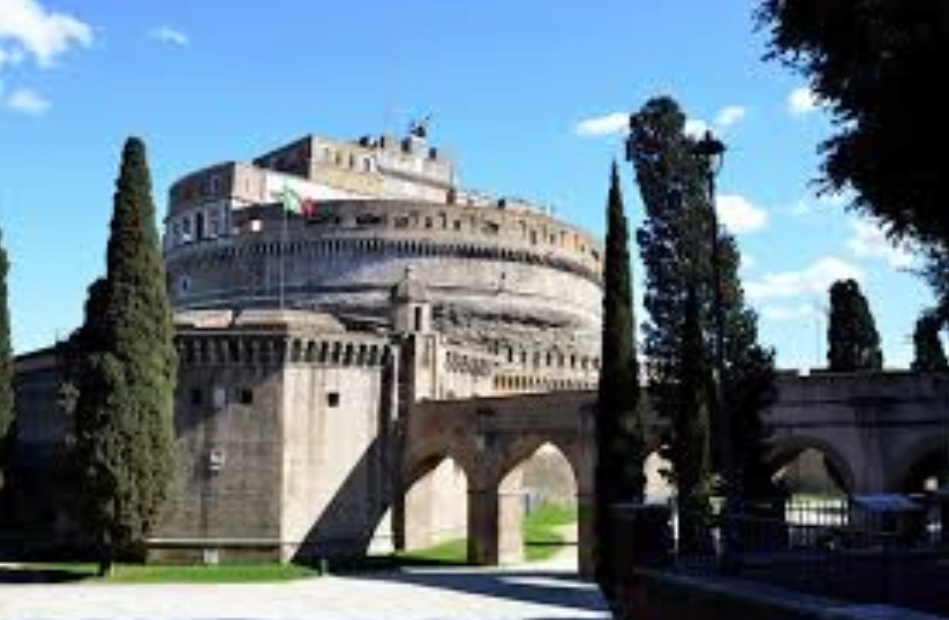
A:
<point x="531" y="592"/>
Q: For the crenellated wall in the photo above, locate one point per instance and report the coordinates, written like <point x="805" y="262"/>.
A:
<point x="282" y="424"/>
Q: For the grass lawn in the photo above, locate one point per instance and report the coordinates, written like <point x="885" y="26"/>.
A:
<point x="451" y="552"/>
<point x="541" y="538"/>
<point x="155" y="573"/>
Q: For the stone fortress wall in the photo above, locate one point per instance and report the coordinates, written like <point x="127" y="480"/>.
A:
<point x="504" y="277"/>
<point x="276" y="412"/>
<point x="308" y="341"/>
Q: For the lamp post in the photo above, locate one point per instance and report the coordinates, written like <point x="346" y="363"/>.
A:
<point x="712" y="152"/>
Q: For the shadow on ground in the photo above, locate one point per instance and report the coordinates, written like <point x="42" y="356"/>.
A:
<point x="554" y="588"/>
<point x="42" y="575"/>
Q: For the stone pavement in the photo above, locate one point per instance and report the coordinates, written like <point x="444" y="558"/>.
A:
<point x="532" y="592"/>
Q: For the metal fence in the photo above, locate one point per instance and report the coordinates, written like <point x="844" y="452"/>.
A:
<point x="825" y="547"/>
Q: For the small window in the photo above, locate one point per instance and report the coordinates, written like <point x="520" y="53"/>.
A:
<point x="332" y="399"/>
<point x="196" y="396"/>
<point x="246" y="396"/>
<point x="490" y="228"/>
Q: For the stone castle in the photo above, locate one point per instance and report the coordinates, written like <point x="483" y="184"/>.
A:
<point x="309" y="329"/>
<point x="370" y="353"/>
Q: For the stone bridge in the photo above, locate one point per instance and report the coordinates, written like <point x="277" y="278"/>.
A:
<point x="880" y="432"/>
<point x="489" y="438"/>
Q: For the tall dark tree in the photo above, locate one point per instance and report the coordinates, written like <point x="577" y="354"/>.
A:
<point x="852" y="337"/>
<point x="690" y="445"/>
<point x="676" y="247"/>
<point x="126" y="375"/>
<point x="619" y="433"/>
<point x="873" y="62"/>
<point x="6" y="367"/>
<point x="930" y="355"/>
<point x="748" y="381"/>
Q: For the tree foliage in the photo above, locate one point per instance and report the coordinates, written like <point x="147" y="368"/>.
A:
<point x="125" y="375"/>
<point x="6" y="366"/>
<point x="619" y="433"/>
<point x="852" y="337"/>
<point x="929" y="354"/>
<point x="873" y="63"/>
<point x="676" y="245"/>
<point x="936" y="272"/>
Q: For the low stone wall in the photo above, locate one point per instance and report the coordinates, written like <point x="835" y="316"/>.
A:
<point x="211" y="552"/>
<point x="656" y="594"/>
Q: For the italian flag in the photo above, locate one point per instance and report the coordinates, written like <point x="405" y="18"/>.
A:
<point x="290" y="200"/>
<point x="293" y="203"/>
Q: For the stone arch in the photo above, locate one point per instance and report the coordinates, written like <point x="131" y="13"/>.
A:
<point x="507" y="486"/>
<point x="785" y="450"/>
<point x="926" y="458"/>
<point x="435" y="495"/>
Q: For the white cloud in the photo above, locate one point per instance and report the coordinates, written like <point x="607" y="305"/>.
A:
<point x="165" y="34"/>
<point x="748" y="261"/>
<point x="618" y="122"/>
<point x="696" y="127"/>
<point x="821" y="203"/>
<point x="605" y="125"/>
<point x="868" y="241"/>
<point x="739" y="215"/>
<point x="27" y="27"/>
<point x="815" y="279"/>
<point x="788" y="313"/>
<point x="802" y="101"/>
<point x="27" y="101"/>
<point x="729" y="116"/>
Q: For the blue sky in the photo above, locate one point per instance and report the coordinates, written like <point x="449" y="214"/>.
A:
<point x="530" y="98"/>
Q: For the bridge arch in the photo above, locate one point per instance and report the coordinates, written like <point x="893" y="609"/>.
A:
<point x="784" y="451"/>
<point x="924" y="461"/>
<point x="434" y="504"/>
<point x="537" y="472"/>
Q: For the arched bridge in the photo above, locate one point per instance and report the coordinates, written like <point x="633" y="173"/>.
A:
<point x="881" y="431"/>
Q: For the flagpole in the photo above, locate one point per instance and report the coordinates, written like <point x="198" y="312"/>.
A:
<point x="280" y="257"/>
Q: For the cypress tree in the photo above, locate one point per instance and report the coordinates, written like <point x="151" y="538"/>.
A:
<point x="619" y="467"/>
<point x="676" y="247"/>
<point x="126" y="376"/>
<point x="930" y="355"/>
<point x="6" y="368"/>
<point x="690" y="444"/>
<point x="852" y="337"/>
<point x="674" y="243"/>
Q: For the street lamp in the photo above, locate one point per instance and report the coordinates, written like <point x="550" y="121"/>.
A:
<point x="712" y="153"/>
